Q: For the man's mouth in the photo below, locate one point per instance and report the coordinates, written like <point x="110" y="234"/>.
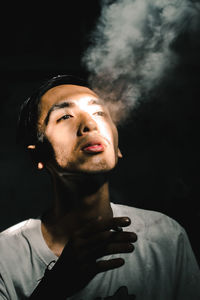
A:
<point x="93" y="148"/>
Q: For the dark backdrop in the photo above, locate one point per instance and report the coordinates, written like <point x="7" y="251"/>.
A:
<point x="160" y="142"/>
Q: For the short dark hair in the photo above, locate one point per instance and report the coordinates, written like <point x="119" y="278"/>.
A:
<point x="27" y="129"/>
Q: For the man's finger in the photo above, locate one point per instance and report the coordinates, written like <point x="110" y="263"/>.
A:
<point x="117" y="249"/>
<point x="110" y="249"/>
<point x="105" y="265"/>
<point x="100" y="225"/>
<point x="106" y="243"/>
<point x="110" y="236"/>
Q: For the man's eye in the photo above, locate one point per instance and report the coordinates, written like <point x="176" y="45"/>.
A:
<point x="100" y="113"/>
<point x="65" y="117"/>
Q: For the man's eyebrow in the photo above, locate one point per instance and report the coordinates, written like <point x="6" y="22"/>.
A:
<point x="56" y="107"/>
<point x="95" y="101"/>
<point x="68" y="104"/>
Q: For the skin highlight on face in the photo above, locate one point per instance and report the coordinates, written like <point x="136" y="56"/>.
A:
<point x="80" y="130"/>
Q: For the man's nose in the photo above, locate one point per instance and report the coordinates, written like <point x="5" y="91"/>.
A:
<point x="87" y="124"/>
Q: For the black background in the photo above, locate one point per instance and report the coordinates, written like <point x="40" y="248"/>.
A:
<point x="160" y="142"/>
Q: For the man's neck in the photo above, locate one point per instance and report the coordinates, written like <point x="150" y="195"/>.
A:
<point x="78" y="200"/>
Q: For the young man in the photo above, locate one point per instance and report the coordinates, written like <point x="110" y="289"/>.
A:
<point x="79" y="249"/>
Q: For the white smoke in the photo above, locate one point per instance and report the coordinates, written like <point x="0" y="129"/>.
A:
<point x="131" y="46"/>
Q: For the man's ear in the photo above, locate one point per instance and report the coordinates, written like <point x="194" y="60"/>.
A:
<point x="119" y="153"/>
<point x="33" y="152"/>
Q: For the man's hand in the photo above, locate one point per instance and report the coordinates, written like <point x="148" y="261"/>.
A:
<point x="80" y="259"/>
<point x="78" y="262"/>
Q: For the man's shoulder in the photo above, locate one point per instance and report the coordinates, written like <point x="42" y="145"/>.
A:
<point x="13" y="239"/>
<point x="22" y="259"/>
<point x="146" y="216"/>
<point x="152" y="225"/>
<point x="13" y="229"/>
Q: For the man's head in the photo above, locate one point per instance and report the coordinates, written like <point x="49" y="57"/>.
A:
<point x="67" y="120"/>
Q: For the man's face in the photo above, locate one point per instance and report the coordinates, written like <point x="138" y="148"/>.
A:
<point x="79" y="129"/>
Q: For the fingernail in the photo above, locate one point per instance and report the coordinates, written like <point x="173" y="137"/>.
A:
<point x="127" y="220"/>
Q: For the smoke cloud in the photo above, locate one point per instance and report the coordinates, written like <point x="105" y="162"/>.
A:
<point x="131" y="50"/>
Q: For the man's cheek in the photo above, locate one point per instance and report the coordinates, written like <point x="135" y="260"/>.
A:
<point x="106" y="133"/>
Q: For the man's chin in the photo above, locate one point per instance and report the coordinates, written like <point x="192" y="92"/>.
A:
<point x="101" y="168"/>
<point x="89" y="170"/>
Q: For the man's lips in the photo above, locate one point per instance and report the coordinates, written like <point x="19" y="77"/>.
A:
<point x="93" y="147"/>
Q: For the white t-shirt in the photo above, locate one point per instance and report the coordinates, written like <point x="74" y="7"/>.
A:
<point x="162" y="266"/>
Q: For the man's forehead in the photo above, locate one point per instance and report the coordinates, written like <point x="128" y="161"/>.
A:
<point x="67" y="92"/>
